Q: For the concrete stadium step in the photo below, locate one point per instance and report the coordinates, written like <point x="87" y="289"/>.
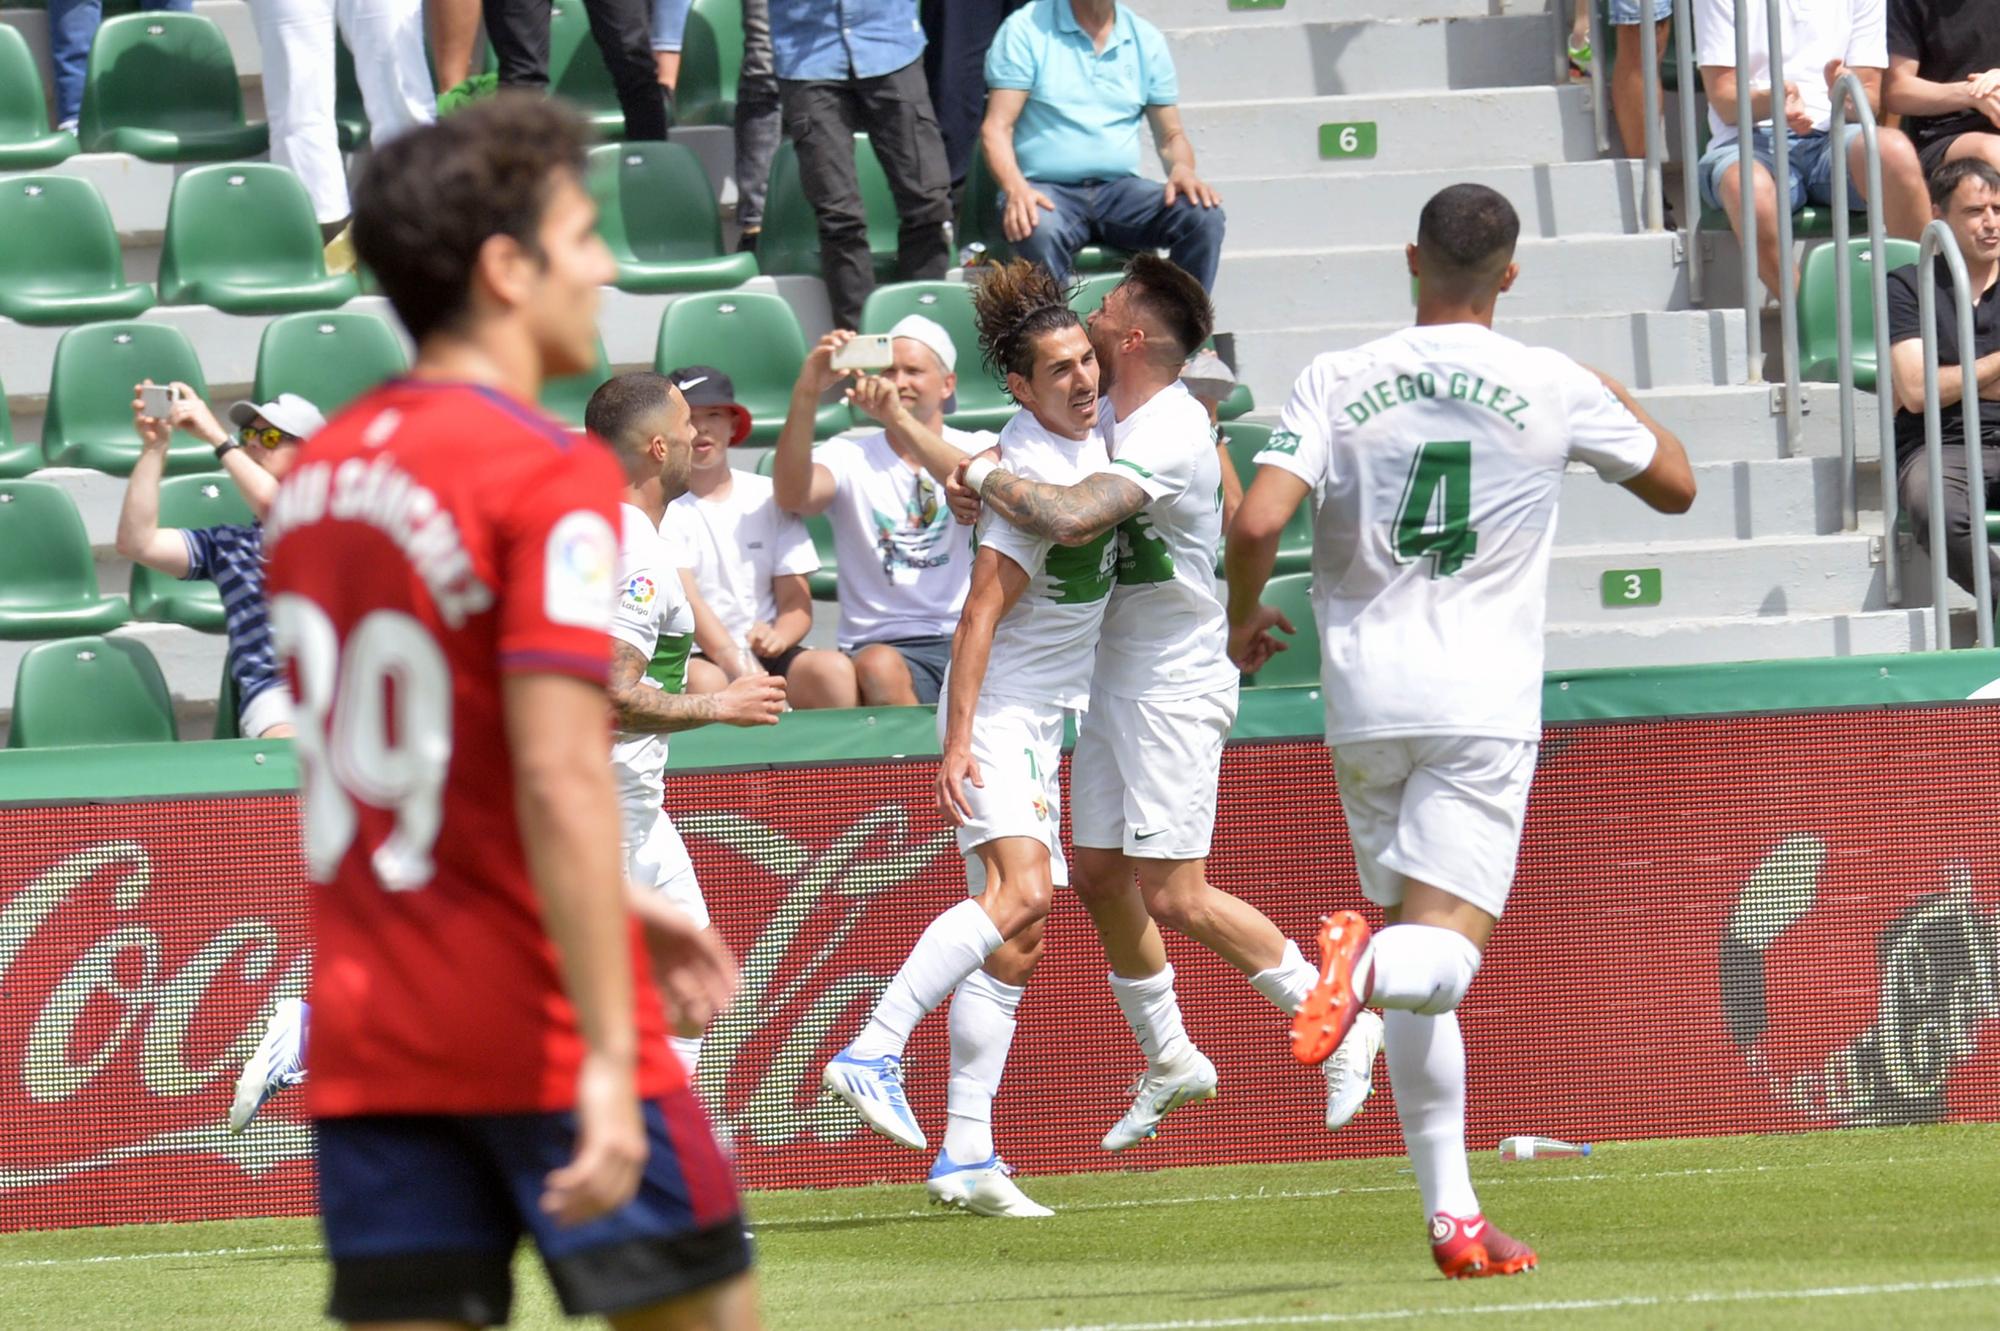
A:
<point x="1642" y="350"/>
<point x="191" y="662"/>
<point x="1172" y="14"/>
<point x="1774" y="576"/>
<point x="1319" y="59"/>
<point x="1730" y="422"/>
<point x="1741" y="638"/>
<point x="1554" y="199"/>
<point x="1580" y="276"/>
<point x="1733" y="500"/>
<point x="1415" y="131"/>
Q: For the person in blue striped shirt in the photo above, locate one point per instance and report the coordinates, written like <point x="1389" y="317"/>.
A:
<point x="256" y="454"/>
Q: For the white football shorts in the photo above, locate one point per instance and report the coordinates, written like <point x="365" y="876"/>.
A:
<point x="1018" y="746"/>
<point x="1442" y="809"/>
<point x="659" y="861"/>
<point x="1143" y="777"/>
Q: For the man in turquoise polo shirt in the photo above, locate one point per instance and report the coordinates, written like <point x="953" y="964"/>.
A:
<point x="1068" y="82"/>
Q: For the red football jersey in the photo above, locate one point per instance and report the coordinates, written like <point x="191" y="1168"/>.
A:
<point x="433" y="537"/>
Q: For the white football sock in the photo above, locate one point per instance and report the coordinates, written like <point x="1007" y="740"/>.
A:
<point x="1417" y="967"/>
<point x="1427" y="1071"/>
<point x="689" y="1048"/>
<point x="1288" y="982"/>
<point x="955" y="945"/>
<point x="1153" y="1013"/>
<point x="982" y="1030"/>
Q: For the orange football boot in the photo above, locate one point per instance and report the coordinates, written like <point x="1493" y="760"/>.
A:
<point x="1328" y="1011"/>
<point x="1464" y="1249"/>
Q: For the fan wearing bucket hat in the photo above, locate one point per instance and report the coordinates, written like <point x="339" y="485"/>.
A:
<point x="257" y="454"/>
<point x="904" y="563"/>
<point x="746" y="559"/>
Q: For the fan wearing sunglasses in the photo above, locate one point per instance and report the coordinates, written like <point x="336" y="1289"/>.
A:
<point x="257" y="452"/>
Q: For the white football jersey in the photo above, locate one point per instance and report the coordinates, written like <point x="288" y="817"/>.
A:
<point x="1044" y="647"/>
<point x="1435" y="457"/>
<point x="654" y="619"/>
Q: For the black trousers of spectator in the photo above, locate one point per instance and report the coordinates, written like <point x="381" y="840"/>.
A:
<point x="958" y="33"/>
<point x="1913" y="480"/>
<point x="760" y="125"/>
<point x="623" y="30"/>
<point x="821" y="119"/>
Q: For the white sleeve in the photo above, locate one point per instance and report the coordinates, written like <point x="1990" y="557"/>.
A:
<point x="1024" y="548"/>
<point x="792" y="549"/>
<point x="635" y="620"/>
<point x="1162" y="459"/>
<point x="1302" y="444"/>
<point x="1601" y="431"/>
<point x="1868" y="39"/>
<point x="1715" y="33"/>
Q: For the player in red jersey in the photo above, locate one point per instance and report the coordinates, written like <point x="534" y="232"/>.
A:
<point x="441" y="584"/>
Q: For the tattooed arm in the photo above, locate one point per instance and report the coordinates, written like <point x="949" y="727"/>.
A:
<point x="1065" y="514"/>
<point x="638" y="707"/>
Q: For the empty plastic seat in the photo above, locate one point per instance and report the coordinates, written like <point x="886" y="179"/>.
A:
<point x="90" y="691"/>
<point x="577" y="70"/>
<point x="89" y="421"/>
<point x="1299" y="662"/>
<point x="656" y="210"/>
<point x="1819" y="326"/>
<point x="983" y="403"/>
<point x="824" y="584"/>
<point x="752" y="337"/>
<point x="565" y="398"/>
<point x="226" y="705"/>
<point x="163" y="86"/>
<point x="26" y="141"/>
<point x="187" y="501"/>
<point x="328" y="359"/>
<point x="59" y="256"/>
<point x="16" y="460"/>
<point x="350" y="113"/>
<point x="979" y="221"/>
<point x="711" y="60"/>
<point x="1245" y="441"/>
<point x="48" y="582"/>
<point x="241" y="237"/>
<point x="790" y="240"/>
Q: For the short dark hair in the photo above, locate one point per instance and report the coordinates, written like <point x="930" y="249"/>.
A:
<point x="1171" y="297"/>
<point x="1014" y="306"/>
<point x="621" y="409"/>
<point x="430" y="198"/>
<point x="1465" y="238"/>
<point x="1944" y="181"/>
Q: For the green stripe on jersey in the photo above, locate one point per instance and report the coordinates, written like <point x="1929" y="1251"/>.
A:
<point x="669" y="666"/>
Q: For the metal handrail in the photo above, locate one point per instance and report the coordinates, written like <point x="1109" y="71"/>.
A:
<point x="1690" y="137"/>
<point x="1781" y="176"/>
<point x="1654" y="216"/>
<point x="1938" y="240"/>
<point x="1848" y="93"/>
<point x="1600" y="110"/>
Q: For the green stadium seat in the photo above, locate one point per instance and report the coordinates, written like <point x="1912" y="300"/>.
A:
<point x="1819" y="326"/>
<point x="1238" y="404"/>
<point x="16" y="460"/>
<point x="241" y="237"/>
<point x="48" y="582"/>
<point x="711" y="60"/>
<point x="983" y="403"/>
<point x="26" y="141"/>
<point x="825" y="584"/>
<point x="163" y="86"/>
<point x="90" y="691"/>
<point x="657" y="212"/>
<point x="59" y="256"/>
<point x="1091" y="291"/>
<point x="187" y="501"/>
<point x="350" y="113"/>
<point x="1299" y="663"/>
<point x="1245" y="440"/>
<point x="577" y="70"/>
<point x="329" y="359"/>
<point x="226" y="705"/>
<point x="979" y="220"/>
<point x="790" y="240"/>
<point x="565" y="398"/>
<point x="754" y="338"/>
<point x="89" y="421"/>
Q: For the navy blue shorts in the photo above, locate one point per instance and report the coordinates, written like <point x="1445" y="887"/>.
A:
<point x="422" y="1215"/>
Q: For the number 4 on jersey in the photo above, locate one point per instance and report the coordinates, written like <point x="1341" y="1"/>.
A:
<point x="1437" y="504"/>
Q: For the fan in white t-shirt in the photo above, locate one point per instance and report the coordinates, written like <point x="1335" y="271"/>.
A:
<point x="746" y="560"/>
<point x="904" y="564"/>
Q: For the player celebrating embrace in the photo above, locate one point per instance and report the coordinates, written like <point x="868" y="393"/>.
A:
<point x="441" y="582"/>
<point x="1433" y="458"/>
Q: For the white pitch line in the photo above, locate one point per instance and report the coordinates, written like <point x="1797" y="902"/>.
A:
<point x="158" y="1256"/>
<point x="1556" y="1306"/>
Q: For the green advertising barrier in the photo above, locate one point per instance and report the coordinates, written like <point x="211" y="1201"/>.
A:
<point x="210" y="767"/>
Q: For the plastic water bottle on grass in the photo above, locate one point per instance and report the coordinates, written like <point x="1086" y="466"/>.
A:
<point x="1539" y="1148"/>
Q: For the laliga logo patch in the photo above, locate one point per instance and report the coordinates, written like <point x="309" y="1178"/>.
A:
<point x="578" y="564"/>
<point x="640" y="591"/>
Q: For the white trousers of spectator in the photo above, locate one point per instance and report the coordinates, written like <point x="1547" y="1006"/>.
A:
<point x="386" y="39"/>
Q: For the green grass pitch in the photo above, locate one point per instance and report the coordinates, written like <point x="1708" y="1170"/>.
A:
<point x="1871" y="1228"/>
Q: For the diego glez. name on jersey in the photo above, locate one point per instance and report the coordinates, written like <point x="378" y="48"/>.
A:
<point x="1459" y="386"/>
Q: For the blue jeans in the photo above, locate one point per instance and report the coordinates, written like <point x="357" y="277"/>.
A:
<point x="72" y="27"/>
<point x="1130" y="213"/>
<point x="1809" y="157"/>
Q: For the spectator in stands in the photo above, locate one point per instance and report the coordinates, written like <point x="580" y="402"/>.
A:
<point x="263" y="448"/>
<point x="854" y="65"/>
<point x="1965" y="192"/>
<point x="72" y="28"/>
<point x="746" y="561"/>
<point x="1068" y="82"/>
<point x="959" y="33"/>
<point x="1944" y="78"/>
<point x="454" y="34"/>
<point x="1628" y="70"/>
<point x="904" y="563"/>
<point x="623" y="31"/>
<point x="386" y="39"/>
<point x="670" y="20"/>
<point x="1822" y="40"/>
<point x="760" y="125"/>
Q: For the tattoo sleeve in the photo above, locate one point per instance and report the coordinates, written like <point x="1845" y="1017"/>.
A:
<point x="643" y="709"/>
<point x="1065" y="514"/>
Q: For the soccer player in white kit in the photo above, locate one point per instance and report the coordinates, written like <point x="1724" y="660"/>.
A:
<point x="645" y="421"/>
<point x="1433" y="459"/>
<point x="1021" y="657"/>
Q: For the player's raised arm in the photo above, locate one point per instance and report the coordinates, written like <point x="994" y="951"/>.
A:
<point x="997" y="583"/>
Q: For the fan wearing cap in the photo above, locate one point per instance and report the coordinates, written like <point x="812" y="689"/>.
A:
<point x="257" y="454"/>
<point x="904" y="564"/>
<point x="745" y="559"/>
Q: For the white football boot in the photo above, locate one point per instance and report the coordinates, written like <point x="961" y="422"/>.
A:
<point x="986" y="1188"/>
<point x="1158" y="1092"/>
<point x="278" y="1061"/>
<point x="1350" y="1072"/>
